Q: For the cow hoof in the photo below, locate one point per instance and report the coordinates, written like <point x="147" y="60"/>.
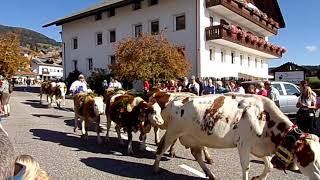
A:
<point x="74" y="129"/>
<point x="157" y="143"/>
<point x="209" y="161"/>
<point x="130" y="152"/>
<point x="255" y="178"/>
<point x="172" y="154"/>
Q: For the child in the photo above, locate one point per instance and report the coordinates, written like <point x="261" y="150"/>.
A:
<point x="33" y="171"/>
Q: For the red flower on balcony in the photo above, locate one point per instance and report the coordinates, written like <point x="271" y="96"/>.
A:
<point x="253" y="39"/>
<point x="261" y="42"/>
<point x="283" y="50"/>
<point x="242" y="34"/>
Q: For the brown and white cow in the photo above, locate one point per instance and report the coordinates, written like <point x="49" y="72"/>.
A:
<point x="55" y="92"/>
<point x="253" y="124"/>
<point x="164" y="99"/>
<point x="134" y="114"/>
<point x="88" y="108"/>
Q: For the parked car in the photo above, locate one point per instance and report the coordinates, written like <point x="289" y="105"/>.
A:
<point x="289" y="94"/>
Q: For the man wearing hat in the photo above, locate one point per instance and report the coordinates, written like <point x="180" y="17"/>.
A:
<point x="79" y="85"/>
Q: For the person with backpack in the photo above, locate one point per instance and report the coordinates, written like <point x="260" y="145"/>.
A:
<point x="5" y="96"/>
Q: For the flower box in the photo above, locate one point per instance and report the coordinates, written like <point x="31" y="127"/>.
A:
<point x="283" y="50"/>
<point x="254" y="39"/>
<point x="261" y="42"/>
<point x="242" y="35"/>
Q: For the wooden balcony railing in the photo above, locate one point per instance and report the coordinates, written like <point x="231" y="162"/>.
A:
<point x="259" y="18"/>
<point x="248" y="40"/>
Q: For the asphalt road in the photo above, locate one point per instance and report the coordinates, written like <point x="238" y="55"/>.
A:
<point x="47" y="134"/>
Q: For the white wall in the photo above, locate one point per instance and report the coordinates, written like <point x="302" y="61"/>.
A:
<point x="123" y="21"/>
<point x="216" y="68"/>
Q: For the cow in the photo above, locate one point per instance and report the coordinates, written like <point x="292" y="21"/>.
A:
<point x="134" y="114"/>
<point x="88" y="108"/>
<point x="55" y="92"/>
<point x="163" y="99"/>
<point x="251" y="123"/>
<point x="109" y="98"/>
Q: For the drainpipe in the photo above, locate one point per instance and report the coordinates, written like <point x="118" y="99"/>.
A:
<point x="198" y="64"/>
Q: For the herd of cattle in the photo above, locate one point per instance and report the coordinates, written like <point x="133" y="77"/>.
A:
<point x="252" y="124"/>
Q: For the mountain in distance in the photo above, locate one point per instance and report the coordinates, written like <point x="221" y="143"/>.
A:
<point x="30" y="37"/>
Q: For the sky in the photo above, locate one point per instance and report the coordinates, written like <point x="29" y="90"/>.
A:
<point x="301" y="36"/>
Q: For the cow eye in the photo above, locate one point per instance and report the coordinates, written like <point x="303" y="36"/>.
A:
<point x="154" y="112"/>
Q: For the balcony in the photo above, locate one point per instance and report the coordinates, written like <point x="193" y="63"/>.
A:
<point x="244" y="15"/>
<point x="231" y="36"/>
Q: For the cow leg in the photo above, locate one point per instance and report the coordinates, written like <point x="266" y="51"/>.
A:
<point x="266" y="170"/>
<point x="172" y="151"/>
<point x="108" y="127"/>
<point x="244" y="153"/>
<point x="143" y="142"/>
<point x="207" y="156"/>
<point x="98" y="130"/>
<point x="156" y="135"/>
<point x="167" y="139"/>
<point x="83" y="130"/>
<point x="75" y="122"/>
<point x="40" y="97"/>
<point x="130" y="151"/>
<point x="197" y="154"/>
<point x="119" y="134"/>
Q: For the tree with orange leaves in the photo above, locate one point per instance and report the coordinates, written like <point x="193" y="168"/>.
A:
<point x="10" y="58"/>
<point x="149" y="57"/>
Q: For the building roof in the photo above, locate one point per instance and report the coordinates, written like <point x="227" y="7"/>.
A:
<point x="47" y="62"/>
<point x="100" y="7"/>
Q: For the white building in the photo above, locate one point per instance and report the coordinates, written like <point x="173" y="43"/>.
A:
<point x="199" y="25"/>
<point x="46" y="69"/>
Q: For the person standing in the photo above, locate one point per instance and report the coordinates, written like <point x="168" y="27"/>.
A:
<point x="220" y="89"/>
<point x="209" y="89"/>
<point x="272" y="93"/>
<point x="238" y="87"/>
<point x="146" y="85"/>
<point x="172" y="86"/>
<point x="5" y="96"/>
<point x="194" y="86"/>
<point x="201" y="86"/>
<point x="105" y="84"/>
<point x="115" y="84"/>
<point x="79" y="85"/>
<point x="261" y="90"/>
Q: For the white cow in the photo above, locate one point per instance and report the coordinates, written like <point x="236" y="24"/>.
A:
<point x="251" y="123"/>
<point x="56" y="92"/>
<point x="88" y="108"/>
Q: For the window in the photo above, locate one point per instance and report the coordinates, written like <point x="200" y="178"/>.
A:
<point x="241" y="59"/>
<point x="99" y="38"/>
<point x="154" y="27"/>
<point x="75" y="65"/>
<point x="153" y="2"/>
<point x="261" y="64"/>
<point x="112" y="36"/>
<point x="112" y="59"/>
<point x="51" y="70"/>
<point x="211" y="21"/>
<point x="232" y="58"/>
<point x="278" y="87"/>
<point x="136" y="5"/>
<point x="45" y="69"/>
<point x="98" y="16"/>
<point x="249" y="61"/>
<point x="75" y="43"/>
<point x="222" y="56"/>
<point x="180" y="22"/>
<point x="291" y="90"/>
<point x="58" y="70"/>
<point x="137" y="30"/>
<point x="210" y="50"/>
<point x="111" y="12"/>
<point x="90" y="64"/>
<point x="256" y="62"/>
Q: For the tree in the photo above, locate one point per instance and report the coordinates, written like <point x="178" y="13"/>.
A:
<point x="149" y="57"/>
<point x="318" y="74"/>
<point x="11" y="59"/>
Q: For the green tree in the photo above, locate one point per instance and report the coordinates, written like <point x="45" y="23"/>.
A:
<point x="149" y="57"/>
<point x="11" y="59"/>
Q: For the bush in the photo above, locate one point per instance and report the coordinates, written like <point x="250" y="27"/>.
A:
<point x="314" y="82"/>
<point x="95" y="81"/>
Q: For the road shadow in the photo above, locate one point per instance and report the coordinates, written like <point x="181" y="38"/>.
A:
<point x="90" y="145"/>
<point x="261" y="162"/>
<point x="31" y="89"/>
<point x="131" y="170"/>
<point x="50" y="116"/>
<point x="64" y="109"/>
<point x="35" y="104"/>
